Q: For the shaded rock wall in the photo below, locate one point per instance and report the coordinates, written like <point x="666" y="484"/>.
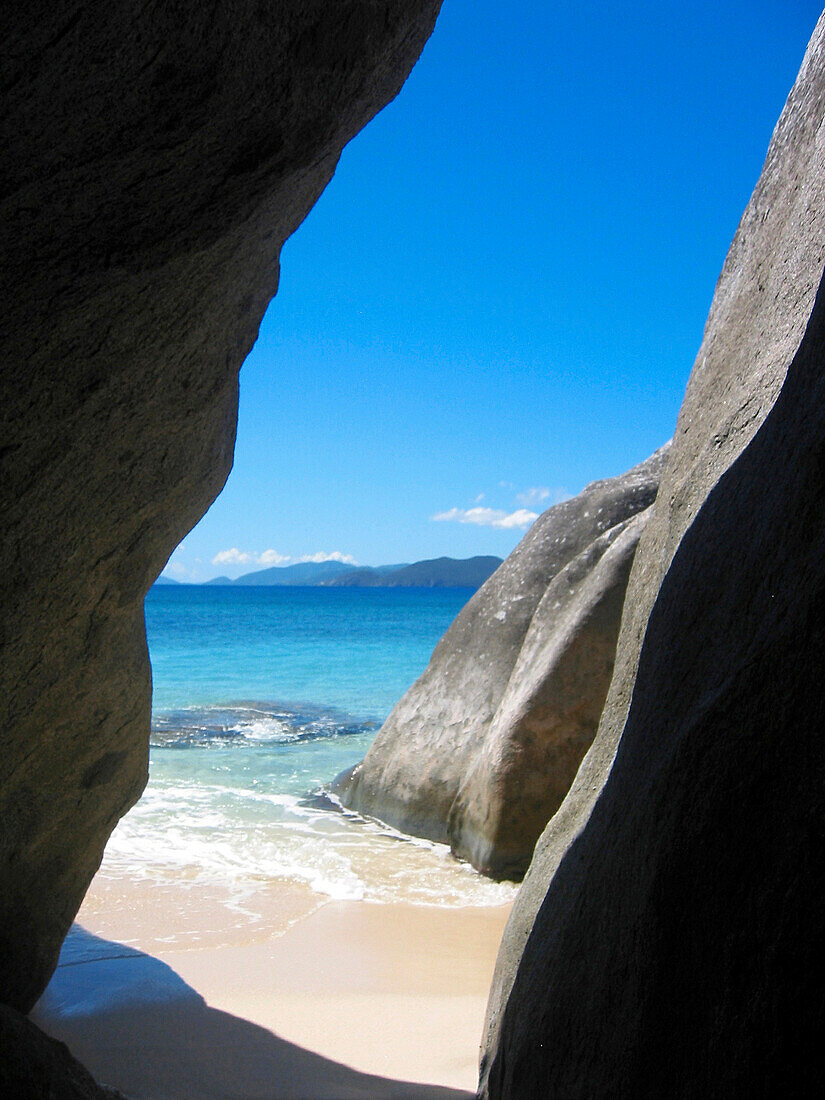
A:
<point x="155" y="159"/>
<point x="666" y="937"/>
<point x="483" y="747"/>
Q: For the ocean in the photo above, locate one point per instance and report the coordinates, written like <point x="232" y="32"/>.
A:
<point x="261" y="696"/>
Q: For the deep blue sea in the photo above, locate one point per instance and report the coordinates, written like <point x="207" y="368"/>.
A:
<point x="261" y="696"/>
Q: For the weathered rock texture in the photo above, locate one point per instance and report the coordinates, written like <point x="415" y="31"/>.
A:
<point x="672" y="915"/>
<point x="483" y="747"/>
<point x="155" y="158"/>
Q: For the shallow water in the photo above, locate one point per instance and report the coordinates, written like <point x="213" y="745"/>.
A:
<point x="237" y="793"/>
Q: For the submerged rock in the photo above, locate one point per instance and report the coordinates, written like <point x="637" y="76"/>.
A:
<point x="666" y="938"/>
<point x="154" y="161"/>
<point x="482" y="748"/>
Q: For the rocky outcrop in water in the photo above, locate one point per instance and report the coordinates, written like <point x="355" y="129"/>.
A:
<point x="154" y="161"/>
<point x="666" y="938"/>
<point x="483" y="747"/>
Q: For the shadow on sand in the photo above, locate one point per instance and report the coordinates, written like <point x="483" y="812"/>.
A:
<point x="136" y="1025"/>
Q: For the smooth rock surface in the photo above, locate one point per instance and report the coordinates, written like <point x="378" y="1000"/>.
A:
<point x="550" y="710"/>
<point x="516" y="683"/>
<point x="154" y="161"/>
<point x="665" y="941"/>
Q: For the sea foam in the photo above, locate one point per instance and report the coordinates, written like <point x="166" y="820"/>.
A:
<point x="237" y="792"/>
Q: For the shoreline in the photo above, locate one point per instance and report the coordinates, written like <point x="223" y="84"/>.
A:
<point x="176" y="993"/>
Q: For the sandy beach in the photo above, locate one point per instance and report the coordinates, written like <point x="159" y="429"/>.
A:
<point x="179" y="992"/>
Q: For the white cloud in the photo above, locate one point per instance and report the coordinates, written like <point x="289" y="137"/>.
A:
<point x="176" y="569"/>
<point x="533" y="496"/>
<point x="272" y="557"/>
<point x="479" y="498"/>
<point x="232" y="557"/>
<point x="487" y="517"/>
<point x="521" y="518"/>
<point x="542" y="495"/>
<point x="336" y="555"/>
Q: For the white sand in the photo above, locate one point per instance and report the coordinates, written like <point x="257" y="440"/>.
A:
<point x="344" y="999"/>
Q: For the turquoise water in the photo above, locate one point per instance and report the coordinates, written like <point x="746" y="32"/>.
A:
<point x="355" y="649"/>
<point x="261" y="696"/>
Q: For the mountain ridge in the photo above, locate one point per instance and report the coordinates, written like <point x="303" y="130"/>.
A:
<point x="443" y="572"/>
<point x="430" y="573"/>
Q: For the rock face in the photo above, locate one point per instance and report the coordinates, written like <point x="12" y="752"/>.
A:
<point x="154" y="161"/>
<point x="483" y="747"/>
<point x="666" y="939"/>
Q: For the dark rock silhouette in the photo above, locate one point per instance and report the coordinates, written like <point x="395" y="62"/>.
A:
<point x="666" y="938"/>
<point x="154" y="161"/>
<point x="34" y="1066"/>
<point x="483" y="747"/>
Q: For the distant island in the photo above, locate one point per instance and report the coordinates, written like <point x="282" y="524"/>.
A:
<point x="433" y="573"/>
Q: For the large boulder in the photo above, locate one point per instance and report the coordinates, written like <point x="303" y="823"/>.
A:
<point x="154" y="161"/>
<point x="666" y="938"/>
<point x="483" y="747"/>
<point x="550" y="710"/>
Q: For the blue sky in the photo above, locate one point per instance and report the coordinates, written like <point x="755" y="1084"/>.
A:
<point x="500" y="294"/>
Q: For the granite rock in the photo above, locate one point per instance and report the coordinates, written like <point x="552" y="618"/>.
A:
<point x="154" y="161"/>
<point x="550" y="710"/>
<point x="516" y="683"/>
<point x="666" y="938"/>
